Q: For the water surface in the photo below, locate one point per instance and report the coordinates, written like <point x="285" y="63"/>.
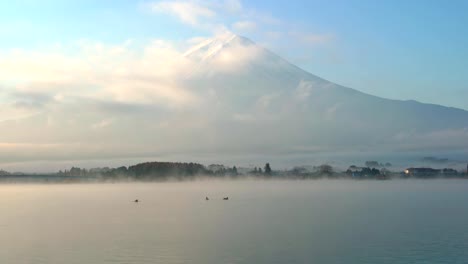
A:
<point x="263" y="222"/>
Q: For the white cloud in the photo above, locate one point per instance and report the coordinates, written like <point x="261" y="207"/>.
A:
<point x="103" y="123"/>
<point x="236" y="58"/>
<point x="213" y="16"/>
<point x="265" y="101"/>
<point x="196" y="40"/>
<point x="330" y="113"/>
<point x="303" y="90"/>
<point x="100" y="72"/>
<point x="187" y="12"/>
<point x="12" y="112"/>
<point x="233" y="6"/>
<point x="218" y="16"/>
<point x="244" y="26"/>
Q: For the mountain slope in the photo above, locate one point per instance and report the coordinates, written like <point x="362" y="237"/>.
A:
<point x="259" y="90"/>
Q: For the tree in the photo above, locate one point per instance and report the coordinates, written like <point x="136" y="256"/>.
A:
<point x="375" y="172"/>
<point x="325" y="169"/>
<point x="267" y="169"/>
<point x="75" y="172"/>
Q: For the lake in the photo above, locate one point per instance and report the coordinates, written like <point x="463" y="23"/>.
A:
<point x="317" y="221"/>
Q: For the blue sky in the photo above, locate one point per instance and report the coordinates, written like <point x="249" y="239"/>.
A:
<point x="394" y="49"/>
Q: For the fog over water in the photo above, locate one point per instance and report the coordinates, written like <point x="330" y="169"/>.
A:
<point x="339" y="160"/>
<point x="322" y="221"/>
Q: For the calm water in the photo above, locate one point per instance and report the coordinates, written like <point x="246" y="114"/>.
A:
<point x="263" y="222"/>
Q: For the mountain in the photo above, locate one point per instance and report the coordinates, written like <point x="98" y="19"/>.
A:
<point x="266" y="99"/>
<point x="225" y="97"/>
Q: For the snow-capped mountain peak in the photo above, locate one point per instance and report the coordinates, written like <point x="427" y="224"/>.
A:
<point x="212" y="47"/>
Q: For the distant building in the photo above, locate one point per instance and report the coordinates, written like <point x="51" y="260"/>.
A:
<point x="449" y="172"/>
<point x="429" y="172"/>
<point x="422" y="172"/>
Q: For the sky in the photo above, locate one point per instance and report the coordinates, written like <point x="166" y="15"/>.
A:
<point x="107" y="80"/>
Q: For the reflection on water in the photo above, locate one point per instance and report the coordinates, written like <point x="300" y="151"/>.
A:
<point x="262" y="222"/>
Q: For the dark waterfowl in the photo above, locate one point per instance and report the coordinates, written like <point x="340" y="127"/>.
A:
<point x="206" y="198"/>
<point x="136" y="201"/>
<point x="226" y="198"/>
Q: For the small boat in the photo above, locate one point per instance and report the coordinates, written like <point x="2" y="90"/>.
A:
<point x="226" y="198"/>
